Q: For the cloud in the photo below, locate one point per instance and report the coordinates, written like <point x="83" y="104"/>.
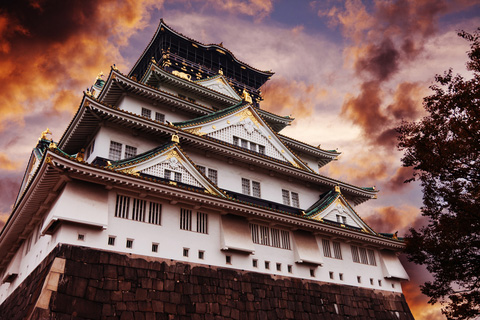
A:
<point x="391" y="219"/>
<point x="50" y="48"/>
<point x="258" y="9"/>
<point x="289" y="97"/>
<point x="6" y="163"/>
<point x="397" y="182"/>
<point x="384" y="40"/>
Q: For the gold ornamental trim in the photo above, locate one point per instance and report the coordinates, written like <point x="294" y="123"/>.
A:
<point x="248" y="114"/>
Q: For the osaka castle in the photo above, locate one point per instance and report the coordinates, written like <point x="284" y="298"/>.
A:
<point x="173" y="195"/>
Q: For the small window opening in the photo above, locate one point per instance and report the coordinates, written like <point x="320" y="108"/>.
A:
<point x="201" y="254"/>
<point x="129" y="243"/>
<point x="267" y="265"/>
<point x="340" y="276"/>
<point x="359" y="279"/>
<point x="279" y="267"/>
<point x="331" y="275"/>
<point x="228" y="259"/>
<point x="154" y="247"/>
<point x="81" y="237"/>
<point x="111" y="241"/>
<point x="185" y="252"/>
<point x="289" y="268"/>
<point x="255" y="263"/>
<point x="312" y="272"/>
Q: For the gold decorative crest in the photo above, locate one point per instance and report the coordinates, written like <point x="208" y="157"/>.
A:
<point x="197" y="131"/>
<point x="248" y="114"/>
<point x="131" y="171"/>
<point x="174" y="154"/>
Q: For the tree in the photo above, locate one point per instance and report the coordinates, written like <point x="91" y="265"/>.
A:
<point x="444" y="150"/>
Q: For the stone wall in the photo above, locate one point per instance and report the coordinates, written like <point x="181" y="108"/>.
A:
<point x="104" y="285"/>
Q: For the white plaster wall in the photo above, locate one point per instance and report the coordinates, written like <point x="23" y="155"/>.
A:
<point x="107" y="134"/>
<point x="230" y="178"/>
<point x="134" y="105"/>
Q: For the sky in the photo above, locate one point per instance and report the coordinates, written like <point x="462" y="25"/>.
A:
<point x="349" y="72"/>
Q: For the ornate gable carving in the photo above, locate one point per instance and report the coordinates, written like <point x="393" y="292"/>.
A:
<point x="219" y="84"/>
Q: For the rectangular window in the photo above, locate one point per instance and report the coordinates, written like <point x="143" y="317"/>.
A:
<point x="359" y="279"/>
<point x="202" y="222"/>
<point x="340" y="276"/>
<point x="160" y="117"/>
<point x="290" y="268"/>
<point x="236" y="141"/>
<point x="326" y="248"/>
<point x="245" y="186"/>
<point x="130" y="151"/>
<point x="267" y="265"/>
<point x="256" y="189"/>
<point x="355" y="256"/>
<point x="254" y="231"/>
<point x="264" y="236"/>
<point x="255" y="263"/>
<point x="213" y="175"/>
<point x="371" y="281"/>
<point x="363" y="255"/>
<point x="275" y="238"/>
<point x="138" y="210"/>
<point x="129" y="243"/>
<point x="312" y="272"/>
<point x="185" y="219"/>
<point x="261" y="149"/>
<point x="155" y="213"/>
<point x="295" y="200"/>
<point x="115" y="152"/>
<point x="228" y="259"/>
<point x="379" y="283"/>
<point x="285" y="239"/>
<point x="286" y="197"/>
<point x="253" y="146"/>
<point x="371" y="257"/>
<point x="244" y="143"/>
<point x="81" y="237"/>
<point x="185" y="252"/>
<point x="279" y="267"/>
<point x="154" y="247"/>
<point x="167" y="174"/>
<point x="201" y="254"/>
<point x="122" y="206"/>
<point x="178" y="177"/>
<point x="111" y="241"/>
<point x="147" y="113"/>
<point x="331" y="275"/>
<point x="337" y="251"/>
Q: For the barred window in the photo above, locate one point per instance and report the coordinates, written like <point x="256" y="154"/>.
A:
<point x="264" y="236"/>
<point x="285" y="239"/>
<point x="213" y="175"/>
<point x="256" y="189"/>
<point x="275" y="238"/>
<point x="326" y="248"/>
<point x="138" y="210"/>
<point x="115" y="152"/>
<point x="160" y="117"/>
<point x="244" y="143"/>
<point x="147" y="113"/>
<point x="245" y="186"/>
<point x="286" y="197"/>
<point x="202" y="222"/>
<point x="295" y="200"/>
<point x="371" y="257"/>
<point x="363" y="255"/>
<point x="130" y="151"/>
<point x="267" y="236"/>
<point x="154" y="214"/>
<point x="202" y="169"/>
<point x="122" y="206"/>
<point x="337" y="251"/>
<point x="129" y="243"/>
<point x="172" y="175"/>
<point x="111" y="240"/>
<point x="355" y="256"/>
<point x="178" y="176"/>
<point x="253" y="146"/>
<point x="261" y="149"/>
<point x="185" y="219"/>
<point x="154" y="247"/>
<point x="235" y="141"/>
<point x="254" y="231"/>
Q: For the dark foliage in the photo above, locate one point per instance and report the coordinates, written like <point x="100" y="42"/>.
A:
<point x="444" y="150"/>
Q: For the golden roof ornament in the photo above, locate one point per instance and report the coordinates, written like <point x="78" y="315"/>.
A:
<point x="80" y="155"/>
<point x="100" y="75"/>
<point x="114" y="67"/>
<point x="175" y="138"/>
<point x="44" y="134"/>
<point x="395" y="235"/>
<point x="337" y="189"/>
<point x="52" y="145"/>
<point x="220" y="71"/>
<point x="153" y="60"/>
<point x="246" y="96"/>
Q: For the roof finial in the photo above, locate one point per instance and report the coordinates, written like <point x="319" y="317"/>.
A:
<point x="153" y="60"/>
<point x="52" y="145"/>
<point x="175" y="138"/>
<point x="114" y="67"/>
<point x="220" y="71"/>
<point x="100" y="75"/>
<point x="337" y="189"/>
<point x="44" y="134"/>
<point x="395" y="235"/>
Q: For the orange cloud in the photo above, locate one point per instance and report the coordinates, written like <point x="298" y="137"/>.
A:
<point x="397" y="182"/>
<point x="391" y="219"/>
<point x="255" y="8"/>
<point x="51" y="48"/>
<point x="287" y="97"/>
<point x="6" y="163"/>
